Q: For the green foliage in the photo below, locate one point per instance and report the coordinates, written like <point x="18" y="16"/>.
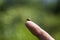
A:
<point x="13" y="17"/>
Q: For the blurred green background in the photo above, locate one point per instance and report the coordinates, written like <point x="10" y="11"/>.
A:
<point x="13" y="15"/>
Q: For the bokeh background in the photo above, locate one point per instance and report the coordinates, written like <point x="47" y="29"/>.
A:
<point x="13" y="15"/>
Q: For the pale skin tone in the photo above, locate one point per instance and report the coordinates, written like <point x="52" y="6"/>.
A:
<point x="38" y="31"/>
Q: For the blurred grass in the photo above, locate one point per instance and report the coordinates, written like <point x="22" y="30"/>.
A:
<point x="12" y="21"/>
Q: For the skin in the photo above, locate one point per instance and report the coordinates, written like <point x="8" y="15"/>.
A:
<point x="38" y="31"/>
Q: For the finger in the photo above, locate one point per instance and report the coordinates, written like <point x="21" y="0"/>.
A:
<point x="37" y="31"/>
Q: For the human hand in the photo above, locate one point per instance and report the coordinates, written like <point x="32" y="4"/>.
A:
<point x="38" y="31"/>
